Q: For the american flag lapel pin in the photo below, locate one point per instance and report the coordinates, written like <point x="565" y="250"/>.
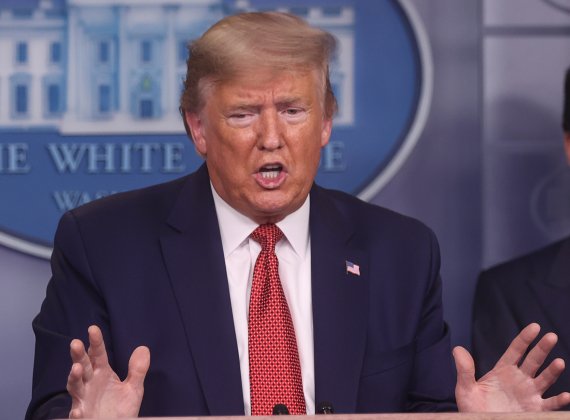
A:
<point x="352" y="268"/>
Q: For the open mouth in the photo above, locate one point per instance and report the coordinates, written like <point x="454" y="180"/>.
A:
<point x="270" y="171"/>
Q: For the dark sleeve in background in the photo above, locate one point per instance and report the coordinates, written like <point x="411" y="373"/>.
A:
<point x="514" y="294"/>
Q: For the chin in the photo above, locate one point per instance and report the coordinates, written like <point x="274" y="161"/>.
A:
<point x="275" y="204"/>
<point x="267" y="210"/>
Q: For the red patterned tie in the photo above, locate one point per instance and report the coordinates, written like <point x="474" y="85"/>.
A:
<point x="274" y="368"/>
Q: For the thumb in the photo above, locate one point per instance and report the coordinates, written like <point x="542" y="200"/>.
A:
<point x="139" y="364"/>
<point x="465" y="368"/>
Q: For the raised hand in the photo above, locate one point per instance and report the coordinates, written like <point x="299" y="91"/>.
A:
<point x="96" y="390"/>
<point x="511" y="385"/>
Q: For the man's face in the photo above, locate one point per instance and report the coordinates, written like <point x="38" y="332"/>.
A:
<point x="261" y="138"/>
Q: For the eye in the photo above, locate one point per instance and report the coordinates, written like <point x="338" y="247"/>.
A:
<point x="240" y="119"/>
<point x="295" y="114"/>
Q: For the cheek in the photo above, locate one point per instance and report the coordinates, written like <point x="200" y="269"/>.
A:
<point x="232" y="155"/>
<point x="237" y="142"/>
<point x="311" y="143"/>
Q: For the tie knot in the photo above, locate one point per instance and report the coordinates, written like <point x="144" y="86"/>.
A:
<point x="267" y="236"/>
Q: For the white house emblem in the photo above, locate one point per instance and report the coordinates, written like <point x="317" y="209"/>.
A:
<point x="89" y="99"/>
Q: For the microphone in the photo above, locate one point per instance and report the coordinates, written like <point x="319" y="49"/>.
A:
<point x="324" y="407"/>
<point x="280" y="410"/>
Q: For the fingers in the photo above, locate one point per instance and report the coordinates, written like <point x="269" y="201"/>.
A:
<point x="465" y="368"/>
<point x="77" y="350"/>
<point x="536" y="357"/>
<point x="139" y="364"/>
<point x="76" y="413"/>
<point x="82" y="369"/>
<point x="93" y="385"/>
<point x="556" y="402"/>
<point x="519" y="345"/>
<point x="97" y="352"/>
<point x="75" y="383"/>
<point x="80" y="356"/>
<point x="76" y="387"/>
<point x="549" y="375"/>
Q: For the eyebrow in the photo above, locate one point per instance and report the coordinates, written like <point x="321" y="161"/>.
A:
<point x="280" y="103"/>
<point x="287" y="100"/>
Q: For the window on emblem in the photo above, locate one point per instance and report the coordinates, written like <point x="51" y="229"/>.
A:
<point x="146" y="51"/>
<point x="22" y="53"/>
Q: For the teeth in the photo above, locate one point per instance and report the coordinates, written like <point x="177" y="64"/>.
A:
<point x="269" y="175"/>
<point x="270" y="172"/>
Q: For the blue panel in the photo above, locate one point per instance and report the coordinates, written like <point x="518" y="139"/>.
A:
<point x="183" y="51"/>
<point x="21" y="99"/>
<point x="146" y="51"/>
<point x="55" y="52"/>
<point x="22" y="53"/>
<point x="104" y="99"/>
<point x="146" y="107"/>
<point x="54" y="99"/>
<point x="104" y="52"/>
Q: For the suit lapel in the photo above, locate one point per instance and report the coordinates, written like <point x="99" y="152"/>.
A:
<point x="340" y="305"/>
<point x="193" y="255"/>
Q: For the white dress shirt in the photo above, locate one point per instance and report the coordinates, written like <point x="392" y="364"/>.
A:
<point x="294" y="255"/>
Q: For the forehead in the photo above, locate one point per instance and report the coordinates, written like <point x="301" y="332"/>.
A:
<point x="263" y="85"/>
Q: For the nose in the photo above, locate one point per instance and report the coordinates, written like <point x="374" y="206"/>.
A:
<point x="269" y="136"/>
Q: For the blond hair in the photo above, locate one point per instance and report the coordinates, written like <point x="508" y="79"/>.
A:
<point x="241" y="44"/>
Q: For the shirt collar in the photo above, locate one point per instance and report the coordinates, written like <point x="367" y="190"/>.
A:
<point x="235" y="228"/>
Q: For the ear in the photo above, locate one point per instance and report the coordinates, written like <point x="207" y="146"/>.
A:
<point x="567" y="145"/>
<point x="326" y="131"/>
<point x="195" y="125"/>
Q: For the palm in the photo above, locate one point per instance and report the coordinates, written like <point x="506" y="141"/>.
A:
<point x="511" y="385"/>
<point x="504" y="387"/>
<point x="96" y="390"/>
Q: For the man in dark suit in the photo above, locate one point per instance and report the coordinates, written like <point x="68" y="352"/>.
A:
<point x="170" y="270"/>
<point x="531" y="288"/>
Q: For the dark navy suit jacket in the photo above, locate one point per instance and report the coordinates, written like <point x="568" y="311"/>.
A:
<point x="147" y="266"/>
<point x="532" y="288"/>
